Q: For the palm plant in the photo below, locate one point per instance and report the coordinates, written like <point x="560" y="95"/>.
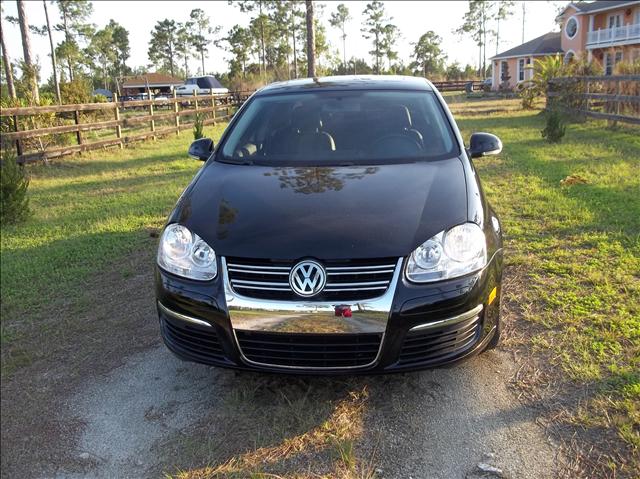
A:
<point x="545" y="70"/>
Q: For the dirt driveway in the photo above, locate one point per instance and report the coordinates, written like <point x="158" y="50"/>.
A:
<point x="107" y="400"/>
<point x="157" y="410"/>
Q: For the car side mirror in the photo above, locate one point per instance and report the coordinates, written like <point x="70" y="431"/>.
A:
<point x="201" y="149"/>
<point x="483" y="144"/>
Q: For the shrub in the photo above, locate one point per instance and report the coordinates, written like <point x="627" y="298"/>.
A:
<point x="198" y="127"/>
<point x="583" y="67"/>
<point x="547" y="69"/>
<point x="76" y="91"/>
<point x="14" y="203"/>
<point x="628" y="68"/>
<point x="99" y="98"/>
<point x="628" y="87"/>
<point x="555" y="129"/>
<point x="34" y="122"/>
<point x="528" y="94"/>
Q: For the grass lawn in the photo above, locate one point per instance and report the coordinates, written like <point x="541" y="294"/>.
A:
<point x="572" y="288"/>
<point x="88" y="211"/>
<point x="573" y="269"/>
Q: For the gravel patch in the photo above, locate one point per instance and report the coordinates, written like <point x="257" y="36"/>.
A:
<point x="460" y="422"/>
<point x="154" y="396"/>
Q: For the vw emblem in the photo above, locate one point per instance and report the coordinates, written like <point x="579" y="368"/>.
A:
<point x="307" y="278"/>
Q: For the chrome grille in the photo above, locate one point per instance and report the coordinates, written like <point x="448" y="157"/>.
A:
<point x="346" y="279"/>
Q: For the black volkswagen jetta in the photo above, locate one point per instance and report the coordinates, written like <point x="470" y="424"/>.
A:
<point x="338" y="226"/>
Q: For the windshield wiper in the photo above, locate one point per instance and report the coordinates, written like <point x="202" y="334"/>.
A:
<point x="236" y="161"/>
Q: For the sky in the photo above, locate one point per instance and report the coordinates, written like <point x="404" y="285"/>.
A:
<point x="412" y="17"/>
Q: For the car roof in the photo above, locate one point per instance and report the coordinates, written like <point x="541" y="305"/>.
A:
<point x="349" y="82"/>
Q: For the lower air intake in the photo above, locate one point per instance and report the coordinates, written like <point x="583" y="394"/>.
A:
<point x="309" y="350"/>
<point x="437" y="345"/>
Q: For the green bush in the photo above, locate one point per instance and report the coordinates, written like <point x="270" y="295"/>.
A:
<point x="34" y="122"/>
<point x="14" y="203"/>
<point x="99" y="98"/>
<point x="555" y="129"/>
<point x="528" y="94"/>
<point x="76" y="91"/>
<point x="198" y="127"/>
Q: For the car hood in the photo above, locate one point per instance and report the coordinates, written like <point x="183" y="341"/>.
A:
<point x="323" y="212"/>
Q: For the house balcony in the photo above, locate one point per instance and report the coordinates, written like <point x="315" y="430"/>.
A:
<point x="609" y="37"/>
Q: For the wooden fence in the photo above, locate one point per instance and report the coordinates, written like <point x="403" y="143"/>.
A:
<point x="613" y="98"/>
<point x="44" y="132"/>
<point x="458" y="85"/>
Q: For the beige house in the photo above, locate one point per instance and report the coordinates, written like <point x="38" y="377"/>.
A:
<point x="605" y="30"/>
<point x="514" y="65"/>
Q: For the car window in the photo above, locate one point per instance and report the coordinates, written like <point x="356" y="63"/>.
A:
<point x="190" y="81"/>
<point x="341" y="126"/>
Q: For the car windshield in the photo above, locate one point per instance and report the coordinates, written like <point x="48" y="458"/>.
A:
<point x="341" y="126"/>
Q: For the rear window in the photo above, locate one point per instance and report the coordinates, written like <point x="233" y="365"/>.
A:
<point x="341" y="127"/>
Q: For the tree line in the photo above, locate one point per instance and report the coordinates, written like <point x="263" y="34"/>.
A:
<point x="482" y="21"/>
<point x="87" y="57"/>
<point x="283" y="40"/>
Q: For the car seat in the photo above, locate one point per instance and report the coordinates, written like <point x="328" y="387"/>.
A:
<point x="303" y="135"/>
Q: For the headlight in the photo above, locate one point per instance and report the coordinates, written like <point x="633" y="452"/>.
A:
<point x="449" y="254"/>
<point x="185" y="254"/>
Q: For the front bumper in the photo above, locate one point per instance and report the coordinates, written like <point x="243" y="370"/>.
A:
<point x="410" y="327"/>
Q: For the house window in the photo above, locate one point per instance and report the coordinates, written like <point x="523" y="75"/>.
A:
<point x="608" y="64"/>
<point x="571" y="28"/>
<point x="615" y="20"/>
<point x="521" y="69"/>
<point x="504" y="71"/>
<point x="610" y="61"/>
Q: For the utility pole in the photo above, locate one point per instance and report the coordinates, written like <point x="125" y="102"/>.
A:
<point x="53" y="54"/>
<point x="311" y="41"/>
<point x="524" y="9"/>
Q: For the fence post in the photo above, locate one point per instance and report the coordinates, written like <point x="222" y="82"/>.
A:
<point x="117" y="117"/>
<point x="213" y="107"/>
<point x="195" y="93"/>
<point x="76" y="117"/>
<point x="617" y="100"/>
<point x="16" y="129"/>
<point x="587" y="103"/>
<point x="176" y="110"/>
<point x="153" y="123"/>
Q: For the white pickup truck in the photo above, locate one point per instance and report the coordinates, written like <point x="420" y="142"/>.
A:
<point x="203" y="85"/>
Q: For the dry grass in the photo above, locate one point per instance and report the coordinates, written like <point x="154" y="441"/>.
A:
<point x="337" y="435"/>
